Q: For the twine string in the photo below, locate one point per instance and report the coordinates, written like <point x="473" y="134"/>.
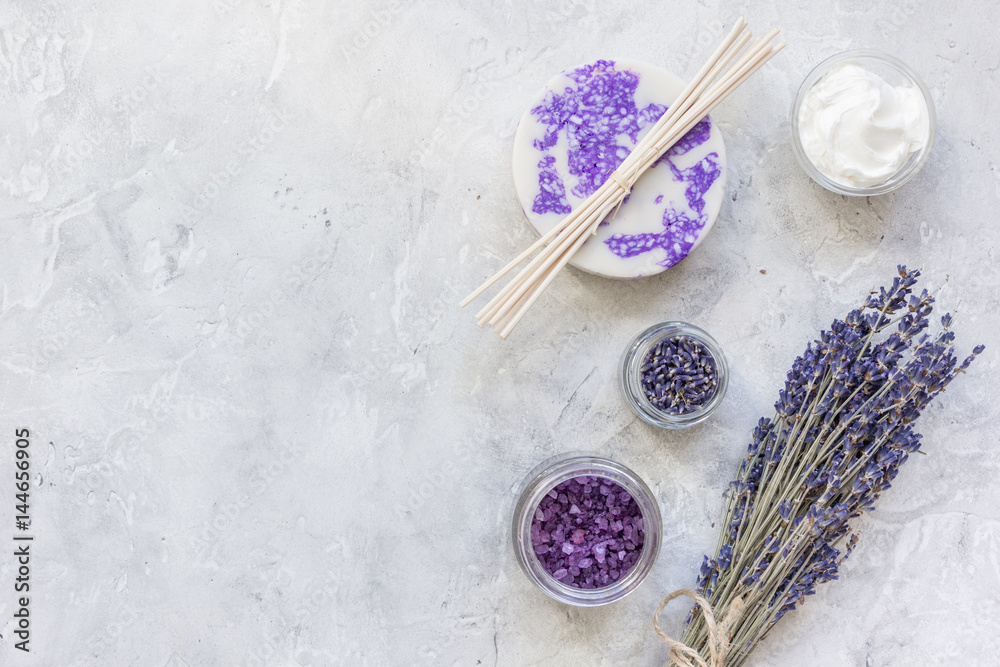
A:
<point x="626" y="187"/>
<point x="718" y="634"/>
<point x="621" y="181"/>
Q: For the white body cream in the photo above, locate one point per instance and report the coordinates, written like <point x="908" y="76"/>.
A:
<point x="857" y="129"/>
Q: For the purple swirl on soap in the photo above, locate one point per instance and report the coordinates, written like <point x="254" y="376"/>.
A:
<point x="695" y="137"/>
<point x="652" y="113"/>
<point x="551" y="197"/>
<point x="701" y="176"/>
<point x="699" y="179"/>
<point x="592" y="116"/>
<point x="679" y="235"/>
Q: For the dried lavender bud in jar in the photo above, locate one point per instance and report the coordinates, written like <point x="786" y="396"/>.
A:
<point x="679" y="375"/>
<point x="588" y="532"/>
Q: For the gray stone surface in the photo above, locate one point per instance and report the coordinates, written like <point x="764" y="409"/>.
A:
<point x="235" y="234"/>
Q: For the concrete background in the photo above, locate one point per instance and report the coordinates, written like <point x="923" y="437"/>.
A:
<point x="262" y="432"/>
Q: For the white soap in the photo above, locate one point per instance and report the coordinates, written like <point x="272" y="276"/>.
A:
<point x="579" y="128"/>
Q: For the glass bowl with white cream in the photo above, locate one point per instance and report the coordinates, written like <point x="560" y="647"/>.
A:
<point x="862" y="123"/>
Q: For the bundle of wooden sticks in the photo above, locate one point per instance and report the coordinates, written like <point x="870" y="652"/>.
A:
<point x="728" y="67"/>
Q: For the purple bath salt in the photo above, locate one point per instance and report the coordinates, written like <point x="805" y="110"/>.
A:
<point x="588" y="532"/>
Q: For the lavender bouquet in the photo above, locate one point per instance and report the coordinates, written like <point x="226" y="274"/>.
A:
<point x="843" y="426"/>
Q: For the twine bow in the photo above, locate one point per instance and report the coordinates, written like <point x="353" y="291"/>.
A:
<point x="718" y="635"/>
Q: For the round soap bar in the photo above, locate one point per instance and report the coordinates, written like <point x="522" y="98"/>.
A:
<point x="579" y="128"/>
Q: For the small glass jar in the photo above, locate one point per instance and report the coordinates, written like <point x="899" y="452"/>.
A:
<point x="563" y="468"/>
<point x="630" y="375"/>
<point x="893" y="72"/>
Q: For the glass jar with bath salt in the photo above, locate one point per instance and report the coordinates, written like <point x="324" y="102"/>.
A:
<point x="586" y="530"/>
<point x="863" y="123"/>
<point x="673" y="375"/>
